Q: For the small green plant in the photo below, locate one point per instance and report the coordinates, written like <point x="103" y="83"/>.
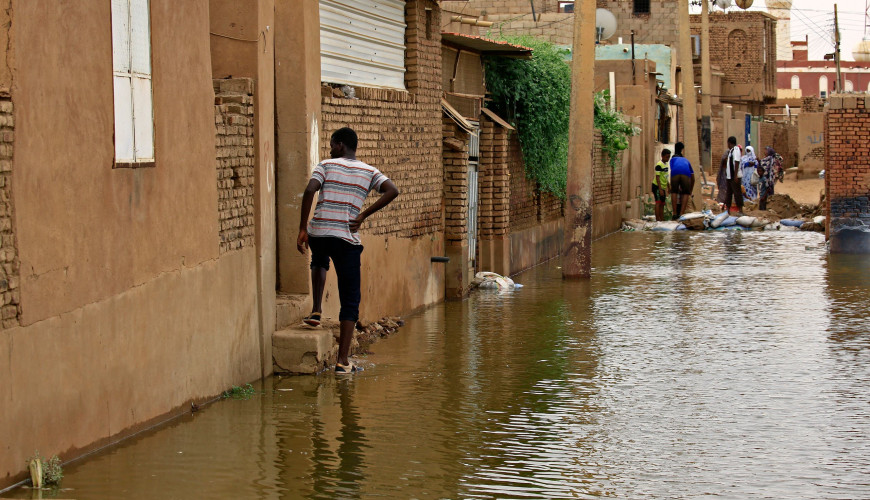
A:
<point x="51" y="469"/>
<point x="614" y="130"/>
<point x="236" y="392"/>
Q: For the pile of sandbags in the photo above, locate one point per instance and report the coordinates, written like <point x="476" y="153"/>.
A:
<point x="706" y="220"/>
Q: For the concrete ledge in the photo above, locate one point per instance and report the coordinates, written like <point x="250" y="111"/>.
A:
<point x="302" y="350"/>
<point x="290" y="309"/>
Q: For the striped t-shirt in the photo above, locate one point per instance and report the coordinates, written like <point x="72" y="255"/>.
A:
<point x="344" y="185"/>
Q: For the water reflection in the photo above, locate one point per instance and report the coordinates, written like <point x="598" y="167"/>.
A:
<point x="728" y="364"/>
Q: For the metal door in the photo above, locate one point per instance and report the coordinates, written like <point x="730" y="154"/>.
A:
<point x="473" y="170"/>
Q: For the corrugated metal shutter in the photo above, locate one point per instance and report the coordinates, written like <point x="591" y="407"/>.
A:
<point x="362" y="42"/>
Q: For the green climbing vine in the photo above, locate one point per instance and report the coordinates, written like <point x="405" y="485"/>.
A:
<point x="535" y="96"/>
<point x="613" y="128"/>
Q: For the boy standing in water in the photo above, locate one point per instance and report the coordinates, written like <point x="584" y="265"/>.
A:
<point x="343" y="182"/>
<point x="660" y="184"/>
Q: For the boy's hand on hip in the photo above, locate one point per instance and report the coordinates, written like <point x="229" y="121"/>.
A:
<point x="355" y="223"/>
<point x="302" y="241"/>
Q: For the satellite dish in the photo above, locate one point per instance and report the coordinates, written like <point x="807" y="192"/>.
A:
<point x="743" y="4"/>
<point x="605" y="24"/>
<point x="722" y="4"/>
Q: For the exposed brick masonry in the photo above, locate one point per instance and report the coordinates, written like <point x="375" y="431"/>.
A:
<point x="9" y="265"/>
<point x="847" y="167"/>
<point x="606" y="181"/>
<point x="494" y="217"/>
<point x="743" y="46"/>
<point x="234" y="152"/>
<point x="400" y="132"/>
<point x="455" y="183"/>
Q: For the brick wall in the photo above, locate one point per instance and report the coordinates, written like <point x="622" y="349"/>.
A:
<point x="812" y="104"/>
<point x="606" y="180"/>
<point x="743" y="46"/>
<point x="782" y="137"/>
<point x="494" y="215"/>
<point x="847" y="165"/>
<point x="659" y="26"/>
<point x="400" y="132"/>
<point x="524" y="195"/>
<point x="9" y="270"/>
<point x="455" y="158"/>
<point x="553" y="27"/>
<point x="234" y="151"/>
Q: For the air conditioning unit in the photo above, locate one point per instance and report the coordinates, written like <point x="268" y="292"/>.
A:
<point x="696" y="47"/>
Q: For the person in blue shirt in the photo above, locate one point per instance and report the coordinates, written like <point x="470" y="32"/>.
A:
<point x="682" y="181"/>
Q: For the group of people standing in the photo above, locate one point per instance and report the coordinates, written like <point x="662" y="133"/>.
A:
<point x="741" y="176"/>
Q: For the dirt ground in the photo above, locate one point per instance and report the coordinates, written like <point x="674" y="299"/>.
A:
<point x="805" y="191"/>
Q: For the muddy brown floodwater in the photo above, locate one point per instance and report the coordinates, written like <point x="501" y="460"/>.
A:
<point x="734" y="365"/>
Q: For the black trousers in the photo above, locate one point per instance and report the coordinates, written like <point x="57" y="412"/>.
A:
<point x="346" y="257"/>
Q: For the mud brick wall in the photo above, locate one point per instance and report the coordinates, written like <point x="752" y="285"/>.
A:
<point x="551" y="207"/>
<point x="9" y="264"/>
<point x="494" y="216"/>
<point x="234" y="158"/>
<point x="400" y="132"/>
<point x="455" y="158"/>
<point x="812" y="104"/>
<point x="659" y="26"/>
<point x="556" y="28"/>
<point x="847" y="166"/>
<point x="606" y="180"/>
<point x="743" y="45"/>
<point x="776" y="135"/>
<point x="524" y="195"/>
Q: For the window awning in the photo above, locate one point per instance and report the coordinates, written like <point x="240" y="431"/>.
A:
<point x="485" y="46"/>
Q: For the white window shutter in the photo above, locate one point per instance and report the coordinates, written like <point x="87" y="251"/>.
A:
<point x="362" y="42"/>
<point x="120" y="36"/>
<point x="123" y="120"/>
<point x="143" y="119"/>
<point x="140" y="39"/>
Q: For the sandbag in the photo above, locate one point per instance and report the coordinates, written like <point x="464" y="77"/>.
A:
<point x="718" y="220"/>
<point x="745" y="221"/>
<point x="730" y="221"/>
<point x="665" y="226"/>
<point x="820" y="219"/>
<point x="695" y="223"/>
<point x="791" y="222"/>
<point x="691" y="216"/>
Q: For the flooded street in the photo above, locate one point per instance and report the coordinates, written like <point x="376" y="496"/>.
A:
<point x="692" y="364"/>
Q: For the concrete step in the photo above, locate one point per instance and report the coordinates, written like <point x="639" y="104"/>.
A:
<point x="290" y="309"/>
<point x="303" y="349"/>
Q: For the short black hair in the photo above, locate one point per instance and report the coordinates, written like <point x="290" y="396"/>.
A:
<point x="732" y="140"/>
<point x="666" y="151"/>
<point x="678" y="148"/>
<point x="346" y="136"/>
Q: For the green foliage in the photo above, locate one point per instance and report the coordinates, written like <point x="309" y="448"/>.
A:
<point x="535" y="96"/>
<point x="52" y="471"/>
<point x="614" y="130"/>
<point x="236" y="392"/>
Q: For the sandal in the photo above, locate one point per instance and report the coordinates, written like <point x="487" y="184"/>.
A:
<point x="312" y="319"/>
<point x="347" y="369"/>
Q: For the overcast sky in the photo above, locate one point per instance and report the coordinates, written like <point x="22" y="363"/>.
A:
<point x="815" y="19"/>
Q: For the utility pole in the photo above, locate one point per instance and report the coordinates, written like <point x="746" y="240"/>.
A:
<point x="706" y="107"/>
<point x="839" y="85"/>
<point x="690" y="99"/>
<point x="577" y="252"/>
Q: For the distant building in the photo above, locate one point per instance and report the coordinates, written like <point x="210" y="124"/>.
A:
<point x="819" y="78"/>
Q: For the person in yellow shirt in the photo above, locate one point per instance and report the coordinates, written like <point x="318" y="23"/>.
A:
<point x="660" y="184"/>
